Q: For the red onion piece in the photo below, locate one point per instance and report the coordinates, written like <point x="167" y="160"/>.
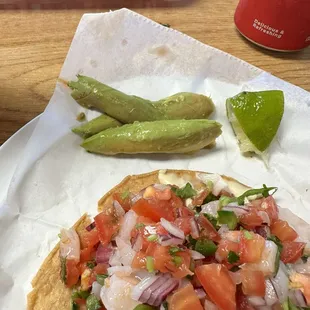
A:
<point x="210" y="207"/>
<point x="118" y="208"/>
<point x="91" y="226"/>
<point x="263" y="231"/>
<point x="104" y="253"/>
<point x="256" y="301"/>
<point x="270" y="294"/>
<point x="298" y="298"/>
<point x="280" y="283"/>
<point x="154" y="290"/>
<point x="172" y="229"/>
<point x="171" y="241"/>
<point x="265" y="217"/>
<point x="194" y="228"/>
<point x="200" y="293"/>
<point x="238" y="210"/>
<point x="196" y="255"/>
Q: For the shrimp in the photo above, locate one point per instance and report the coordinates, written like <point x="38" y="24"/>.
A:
<point x="116" y="294"/>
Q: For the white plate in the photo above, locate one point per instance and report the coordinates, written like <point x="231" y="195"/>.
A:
<point x="11" y="152"/>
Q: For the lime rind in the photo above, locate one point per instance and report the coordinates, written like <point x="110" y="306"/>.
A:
<point x="255" y="118"/>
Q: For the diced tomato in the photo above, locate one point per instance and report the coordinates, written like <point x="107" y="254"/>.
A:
<point x="218" y="284"/>
<point x="183" y="269"/>
<point x="292" y="251"/>
<point x="224" y="247"/>
<point x="87" y="254"/>
<point x="124" y="202"/>
<point x="268" y="205"/>
<point x="303" y="281"/>
<point x="184" y="224"/>
<point x="139" y="261"/>
<point x="251" y="219"/>
<point x="185" y="212"/>
<point x="283" y="231"/>
<point x="144" y="220"/>
<point x="107" y="224"/>
<point x="242" y="301"/>
<point x="154" y="209"/>
<point x="253" y="283"/>
<point x="198" y="201"/>
<point x="251" y="247"/>
<point x="101" y="268"/>
<point x="89" y="238"/>
<point x="208" y="229"/>
<point x="72" y="272"/>
<point x="185" y="298"/>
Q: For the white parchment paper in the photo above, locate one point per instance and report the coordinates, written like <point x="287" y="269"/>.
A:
<point x="57" y="181"/>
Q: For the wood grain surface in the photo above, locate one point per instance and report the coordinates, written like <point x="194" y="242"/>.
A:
<point x="34" y="44"/>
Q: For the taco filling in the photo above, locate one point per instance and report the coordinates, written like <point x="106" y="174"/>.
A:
<point x="192" y="241"/>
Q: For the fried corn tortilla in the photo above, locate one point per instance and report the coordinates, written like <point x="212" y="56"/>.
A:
<point x="49" y="292"/>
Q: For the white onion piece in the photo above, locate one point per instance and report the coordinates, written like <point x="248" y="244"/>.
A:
<point x="223" y="229"/>
<point x="130" y="220"/>
<point x="200" y="293"/>
<point x="208" y="305"/>
<point x="236" y="277"/>
<point x="161" y="187"/>
<point x="264" y="216"/>
<point x="263" y="308"/>
<point x="231" y="235"/>
<point x="194" y="228"/>
<point x="135" y="198"/>
<point x="137" y="245"/>
<point x="120" y="270"/>
<point x="162" y="307"/>
<point x="256" y="301"/>
<point x="183" y="282"/>
<point x="172" y="229"/>
<point x="96" y="288"/>
<point x="218" y="183"/>
<point x="298" y="298"/>
<point x="302" y="268"/>
<point x="270" y="294"/>
<point x="70" y="244"/>
<point x="280" y="283"/>
<point x="268" y="261"/>
<point x="210" y="207"/>
<point x="218" y="257"/>
<point x="196" y="255"/>
<point x="118" y="208"/>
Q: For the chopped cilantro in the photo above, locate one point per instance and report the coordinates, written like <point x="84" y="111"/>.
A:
<point x="247" y="234"/>
<point x="173" y="250"/>
<point x="91" y="264"/>
<point x="192" y="241"/>
<point x="152" y="238"/>
<point x="234" y="269"/>
<point x="139" y="225"/>
<point x="92" y="302"/>
<point x="125" y="195"/>
<point x="150" y="264"/>
<point x="79" y="294"/>
<point x="165" y="25"/>
<point x="304" y="258"/>
<point x="100" y="278"/>
<point x="232" y="257"/>
<point x="177" y="260"/>
<point x="74" y="306"/>
<point x="165" y="305"/>
<point x="185" y="192"/>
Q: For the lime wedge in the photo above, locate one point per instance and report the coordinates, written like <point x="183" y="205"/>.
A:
<point x="255" y="118"/>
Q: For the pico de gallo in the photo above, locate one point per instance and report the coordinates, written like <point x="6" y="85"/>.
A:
<point x="187" y="247"/>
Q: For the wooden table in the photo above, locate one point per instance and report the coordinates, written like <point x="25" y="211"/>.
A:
<point x="34" y="44"/>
